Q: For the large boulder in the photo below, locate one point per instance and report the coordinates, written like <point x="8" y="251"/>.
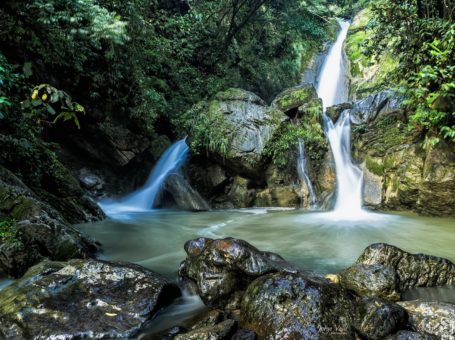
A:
<point x="297" y="306"/>
<point x="82" y="298"/>
<point x="433" y="318"/>
<point x="222" y="269"/>
<point x="412" y="270"/>
<point x="245" y="122"/>
<point x="37" y="229"/>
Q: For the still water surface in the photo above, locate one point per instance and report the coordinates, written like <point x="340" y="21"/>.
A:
<point x="310" y="240"/>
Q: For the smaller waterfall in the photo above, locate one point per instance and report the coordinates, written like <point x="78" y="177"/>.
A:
<point x="143" y="198"/>
<point x="303" y="173"/>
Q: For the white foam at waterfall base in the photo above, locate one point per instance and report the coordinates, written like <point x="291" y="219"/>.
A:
<point x="332" y="90"/>
<point x="143" y="199"/>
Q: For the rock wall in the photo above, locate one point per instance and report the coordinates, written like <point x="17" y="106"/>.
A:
<point x="399" y="173"/>
<point x="245" y="174"/>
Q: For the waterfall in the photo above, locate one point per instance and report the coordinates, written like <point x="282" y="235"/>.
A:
<point x="333" y="83"/>
<point x="302" y="172"/>
<point x="332" y="89"/>
<point x="143" y="198"/>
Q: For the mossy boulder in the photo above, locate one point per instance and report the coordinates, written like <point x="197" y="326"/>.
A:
<point x="233" y="129"/>
<point x="379" y="318"/>
<point x="40" y="230"/>
<point x="295" y="97"/>
<point x="82" y="298"/>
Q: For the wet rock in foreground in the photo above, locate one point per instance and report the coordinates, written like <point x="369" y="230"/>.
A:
<point x="371" y="280"/>
<point x="297" y="306"/>
<point x="412" y="270"/>
<point x="434" y="318"/>
<point x="82" y="298"/>
<point x="222" y="269"/>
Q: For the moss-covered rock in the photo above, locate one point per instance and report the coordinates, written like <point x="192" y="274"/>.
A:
<point x="367" y="75"/>
<point x="379" y="318"/>
<point x="295" y="97"/>
<point x="436" y="319"/>
<point x="39" y="230"/>
<point x="222" y="269"/>
<point x="233" y="129"/>
<point x="82" y="298"/>
<point x="376" y="280"/>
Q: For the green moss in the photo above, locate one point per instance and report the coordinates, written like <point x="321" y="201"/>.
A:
<point x="369" y="74"/>
<point x="294" y="98"/>
<point x="374" y="166"/>
<point x="9" y="233"/>
<point x="286" y="139"/>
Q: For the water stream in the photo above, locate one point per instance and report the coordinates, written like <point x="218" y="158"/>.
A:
<point x="303" y="174"/>
<point x="143" y="198"/>
<point x="333" y="89"/>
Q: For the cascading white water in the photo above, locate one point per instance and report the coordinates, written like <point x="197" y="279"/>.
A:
<point x="349" y="176"/>
<point x="332" y="89"/>
<point x="143" y="198"/>
<point x="333" y="83"/>
<point x="302" y="172"/>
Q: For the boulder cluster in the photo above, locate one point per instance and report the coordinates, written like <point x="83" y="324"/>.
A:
<point x="248" y="294"/>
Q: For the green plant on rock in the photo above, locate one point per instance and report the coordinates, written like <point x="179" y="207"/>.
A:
<point x="287" y="137"/>
<point x="8" y="232"/>
<point x="208" y="130"/>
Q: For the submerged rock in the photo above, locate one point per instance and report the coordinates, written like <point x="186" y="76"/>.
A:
<point x="297" y="306"/>
<point x="371" y="280"/>
<point x="82" y="298"/>
<point x="178" y="193"/>
<point x="220" y="331"/>
<point x="412" y="270"/>
<point x="222" y="269"/>
<point x="434" y="318"/>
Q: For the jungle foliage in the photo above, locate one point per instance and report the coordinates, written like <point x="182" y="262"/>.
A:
<point x="421" y="34"/>
<point x="143" y="62"/>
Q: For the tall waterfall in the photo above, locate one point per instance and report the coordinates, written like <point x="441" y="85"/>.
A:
<point x="333" y="83"/>
<point x="302" y="172"/>
<point x="332" y="89"/>
<point x="143" y="198"/>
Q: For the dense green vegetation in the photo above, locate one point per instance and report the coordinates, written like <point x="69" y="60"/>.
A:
<point x="421" y="36"/>
<point x="147" y="61"/>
